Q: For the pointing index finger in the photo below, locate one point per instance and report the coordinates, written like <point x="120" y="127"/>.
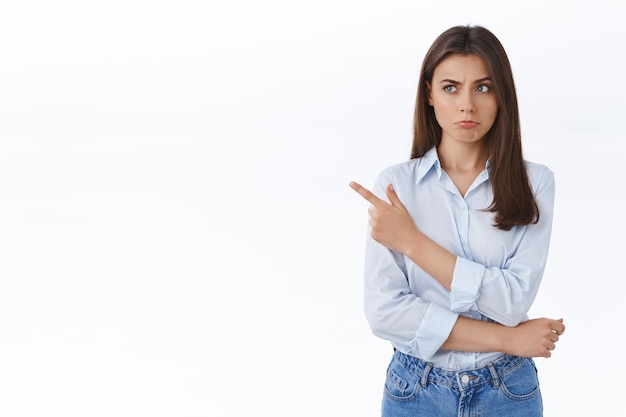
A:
<point x="366" y="194"/>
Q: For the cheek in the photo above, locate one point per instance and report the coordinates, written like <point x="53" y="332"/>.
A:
<point x="440" y="115"/>
<point x="443" y="108"/>
<point x="494" y="113"/>
<point x="490" y="108"/>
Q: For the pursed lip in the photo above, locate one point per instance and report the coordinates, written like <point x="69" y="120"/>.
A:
<point x="467" y="124"/>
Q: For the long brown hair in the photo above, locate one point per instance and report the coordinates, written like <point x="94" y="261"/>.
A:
<point x="513" y="200"/>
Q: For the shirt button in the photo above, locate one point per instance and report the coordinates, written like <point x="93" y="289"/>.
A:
<point x="465" y="379"/>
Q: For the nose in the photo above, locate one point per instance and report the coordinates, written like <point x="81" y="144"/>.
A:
<point x="466" y="102"/>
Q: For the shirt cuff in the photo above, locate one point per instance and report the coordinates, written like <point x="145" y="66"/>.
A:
<point x="466" y="282"/>
<point x="434" y="330"/>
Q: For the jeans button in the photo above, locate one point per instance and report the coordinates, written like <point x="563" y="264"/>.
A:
<point x="465" y="379"/>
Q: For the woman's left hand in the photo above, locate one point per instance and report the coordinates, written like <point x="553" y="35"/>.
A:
<point x="392" y="225"/>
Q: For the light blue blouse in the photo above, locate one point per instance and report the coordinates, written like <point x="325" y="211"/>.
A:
<point x="496" y="276"/>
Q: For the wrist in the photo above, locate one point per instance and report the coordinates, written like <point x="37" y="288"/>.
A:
<point x="504" y="339"/>
<point x="412" y="243"/>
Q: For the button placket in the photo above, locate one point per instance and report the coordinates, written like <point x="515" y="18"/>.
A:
<point x="462" y="218"/>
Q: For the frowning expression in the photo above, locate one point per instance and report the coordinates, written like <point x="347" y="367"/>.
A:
<point x="461" y="93"/>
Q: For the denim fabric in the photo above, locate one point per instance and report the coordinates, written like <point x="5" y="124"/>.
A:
<point x="507" y="387"/>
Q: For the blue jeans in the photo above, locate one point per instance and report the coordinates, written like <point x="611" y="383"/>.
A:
<point x="507" y="387"/>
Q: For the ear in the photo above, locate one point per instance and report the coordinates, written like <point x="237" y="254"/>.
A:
<point x="429" y="89"/>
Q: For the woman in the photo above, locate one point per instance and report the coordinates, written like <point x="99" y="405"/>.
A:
<point x="455" y="257"/>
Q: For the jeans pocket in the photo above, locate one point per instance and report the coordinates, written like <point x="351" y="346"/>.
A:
<point x="400" y="384"/>
<point x="521" y="383"/>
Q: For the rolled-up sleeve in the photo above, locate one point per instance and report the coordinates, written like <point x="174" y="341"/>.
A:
<point x="466" y="288"/>
<point x="396" y="314"/>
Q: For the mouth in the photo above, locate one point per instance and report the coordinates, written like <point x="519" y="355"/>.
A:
<point x="467" y="124"/>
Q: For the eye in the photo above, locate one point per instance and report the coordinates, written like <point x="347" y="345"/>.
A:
<point x="449" y="88"/>
<point x="483" y="88"/>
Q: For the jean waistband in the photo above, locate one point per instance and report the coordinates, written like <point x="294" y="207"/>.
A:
<point x="462" y="379"/>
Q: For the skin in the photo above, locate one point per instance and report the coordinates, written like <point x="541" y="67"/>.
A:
<point x="465" y="108"/>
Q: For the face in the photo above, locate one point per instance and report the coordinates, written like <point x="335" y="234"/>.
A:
<point x="462" y="96"/>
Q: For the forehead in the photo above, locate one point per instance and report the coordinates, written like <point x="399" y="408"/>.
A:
<point x="459" y="67"/>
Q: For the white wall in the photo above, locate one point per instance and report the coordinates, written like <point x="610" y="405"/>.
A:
<point x="177" y="236"/>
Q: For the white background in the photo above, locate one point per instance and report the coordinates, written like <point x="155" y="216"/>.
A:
<point x="177" y="234"/>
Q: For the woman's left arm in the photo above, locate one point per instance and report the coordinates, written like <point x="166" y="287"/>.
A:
<point x="502" y="294"/>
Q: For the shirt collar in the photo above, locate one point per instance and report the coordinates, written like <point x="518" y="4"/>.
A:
<point x="427" y="162"/>
<point x="430" y="160"/>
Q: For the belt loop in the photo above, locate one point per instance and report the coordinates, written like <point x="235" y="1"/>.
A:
<point x="494" y="375"/>
<point x="424" y="379"/>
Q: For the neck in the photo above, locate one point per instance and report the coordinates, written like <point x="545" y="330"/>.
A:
<point x="463" y="157"/>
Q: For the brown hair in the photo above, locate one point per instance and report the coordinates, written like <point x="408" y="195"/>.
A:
<point x="513" y="200"/>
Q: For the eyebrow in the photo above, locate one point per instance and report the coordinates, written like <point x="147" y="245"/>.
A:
<point x="449" y="81"/>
